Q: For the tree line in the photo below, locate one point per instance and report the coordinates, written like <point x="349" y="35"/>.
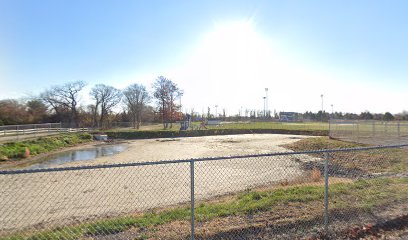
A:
<point x="366" y="115"/>
<point x="135" y="104"/>
<point x="61" y="103"/>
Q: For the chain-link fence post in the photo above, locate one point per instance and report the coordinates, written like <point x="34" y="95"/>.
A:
<point x="192" y="198"/>
<point x="399" y="129"/>
<point x="373" y="129"/>
<point x="329" y="128"/>
<point x="358" y="131"/>
<point x="326" y="192"/>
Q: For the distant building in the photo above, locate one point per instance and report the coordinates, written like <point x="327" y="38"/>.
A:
<point x="288" y="116"/>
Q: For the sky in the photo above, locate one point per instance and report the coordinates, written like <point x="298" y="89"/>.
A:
<point x="222" y="53"/>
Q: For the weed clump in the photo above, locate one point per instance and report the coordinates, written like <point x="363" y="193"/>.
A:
<point x="315" y="175"/>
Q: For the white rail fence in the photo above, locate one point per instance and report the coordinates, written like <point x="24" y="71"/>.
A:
<point x="18" y="132"/>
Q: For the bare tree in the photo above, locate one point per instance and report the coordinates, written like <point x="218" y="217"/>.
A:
<point x="93" y="112"/>
<point x="12" y="112"/>
<point x="64" y="98"/>
<point x="37" y="111"/>
<point x="166" y="92"/>
<point x="106" y="97"/>
<point x="136" y="98"/>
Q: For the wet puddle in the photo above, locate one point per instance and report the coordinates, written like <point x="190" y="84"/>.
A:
<point x="77" y="155"/>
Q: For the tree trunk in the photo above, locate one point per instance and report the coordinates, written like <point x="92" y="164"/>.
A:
<point x="102" y="118"/>
<point x="138" y="120"/>
<point x="133" y="119"/>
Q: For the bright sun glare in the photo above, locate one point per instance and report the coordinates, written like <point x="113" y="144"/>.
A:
<point x="233" y="48"/>
<point x="231" y="54"/>
<point x="236" y="57"/>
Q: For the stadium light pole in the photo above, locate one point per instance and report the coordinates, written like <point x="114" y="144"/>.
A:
<point x="264" y="98"/>
<point x="322" y="107"/>
<point x="266" y="95"/>
<point x="322" y="101"/>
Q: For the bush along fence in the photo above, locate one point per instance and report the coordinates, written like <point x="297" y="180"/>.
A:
<point x="341" y="193"/>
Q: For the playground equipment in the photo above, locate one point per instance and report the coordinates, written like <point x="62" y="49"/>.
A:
<point x="184" y="125"/>
<point x="203" y="124"/>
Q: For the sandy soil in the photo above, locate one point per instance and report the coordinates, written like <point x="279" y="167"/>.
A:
<point x="57" y="198"/>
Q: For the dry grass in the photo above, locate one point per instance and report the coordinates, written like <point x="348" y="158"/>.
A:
<point x="259" y="213"/>
<point x="288" y="218"/>
<point x="315" y="175"/>
<point x="371" y="161"/>
<point x="278" y="216"/>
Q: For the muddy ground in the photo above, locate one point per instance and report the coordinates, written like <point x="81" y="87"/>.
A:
<point x="44" y="200"/>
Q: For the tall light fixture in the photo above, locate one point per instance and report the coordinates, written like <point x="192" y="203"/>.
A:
<point x="266" y="104"/>
<point x="322" y="102"/>
<point x="322" y="107"/>
<point x="264" y="113"/>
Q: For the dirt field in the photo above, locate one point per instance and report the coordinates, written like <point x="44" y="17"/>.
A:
<point x="57" y="198"/>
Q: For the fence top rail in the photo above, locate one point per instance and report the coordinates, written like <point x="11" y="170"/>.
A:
<point x="34" y="124"/>
<point x="367" y="121"/>
<point x="192" y="160"/>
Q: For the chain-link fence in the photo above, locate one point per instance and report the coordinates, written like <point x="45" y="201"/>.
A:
<point x="370" y="131"/>
<point x="336" y="194"/>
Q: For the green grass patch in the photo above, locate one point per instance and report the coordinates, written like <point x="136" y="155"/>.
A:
<point x="367" y="194"/>
<point x="16" y="150"/>
<point x="361" y="194"/>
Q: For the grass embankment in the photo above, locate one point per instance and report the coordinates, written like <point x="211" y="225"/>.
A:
<point x="370" y="161"/>
<point x="156" y="131"/>
<point x="303" y="126"/>
<point x="284" y="202"/>
<point x="126" y="134"/>
<point x="18" y="150"/>
<point x="298" y="126"/>
<point x="320" y="143"/>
